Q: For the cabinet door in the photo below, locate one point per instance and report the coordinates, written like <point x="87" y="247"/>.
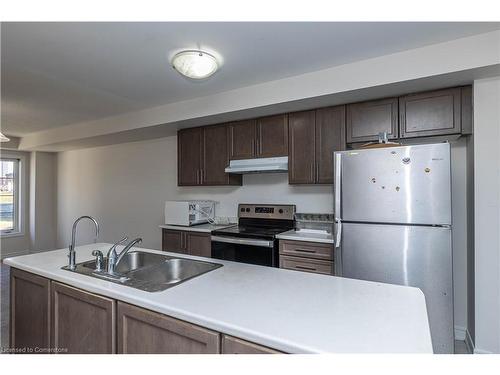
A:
<point x="216" y="157"/>
<point x="234" y="345"/>
<point x="147" y="332"/>
<point x="330" y="137"/>
<point x="364" y="121"/>
<point x="467" y="110"/>
<point x="189" y="142"/>
<point x="174" y="241"/>
<point x="199" y="244"/>
<point x="242" y="138"/>
<point x="272" y="136"/>
<point x="301" y="157"/>
<point x="430" y="113"/>
<point x="29" y="310"/>
<point x="82" y="322"/>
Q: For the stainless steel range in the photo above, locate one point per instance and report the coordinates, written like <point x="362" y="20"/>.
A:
<point x="253" y="240"/>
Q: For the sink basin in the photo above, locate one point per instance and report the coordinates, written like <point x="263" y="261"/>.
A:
<point x="133" y="261"/>
<point x="148" y="271"/>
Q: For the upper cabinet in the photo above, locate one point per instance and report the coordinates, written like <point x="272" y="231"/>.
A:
<point x="202" y="157"/>
<point x="272" y="136"/>
<point x="364" y="121"/>
<point x="431" y="113"/>
<point x="261" y="138"/>
<point x="242" y="139"/>
<point x="313" y="138"/>
<point x="302" y="153"/>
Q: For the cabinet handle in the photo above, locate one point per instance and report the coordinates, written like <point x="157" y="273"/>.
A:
<point x="202" y="175"/>
<point x="311" y="172"/>
<point x="305" y="268"/>
<point x="305" y="251"/>
<point x="317" y="172"/>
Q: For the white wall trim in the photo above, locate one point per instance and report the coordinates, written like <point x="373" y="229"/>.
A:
<point x="481" y="351"/>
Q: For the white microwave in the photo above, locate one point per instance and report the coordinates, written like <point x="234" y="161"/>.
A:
<point x="188" y="213"/>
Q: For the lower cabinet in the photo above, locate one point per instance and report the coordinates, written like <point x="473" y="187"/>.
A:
<point x="82" y="322"/>
<point x="186" y="242"/>
<point x="144" y="331"/>
<point x="306" y="256"/>
<point x="47" y="316"/>
<point x="29" y="312"/>
<point x="234" y="345"/>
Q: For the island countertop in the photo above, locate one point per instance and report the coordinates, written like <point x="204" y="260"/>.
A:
<point x="294" y="312"/>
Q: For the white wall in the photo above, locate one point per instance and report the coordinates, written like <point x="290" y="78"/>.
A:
<point x="487" y="213"/>
<point x="125" y="186"/>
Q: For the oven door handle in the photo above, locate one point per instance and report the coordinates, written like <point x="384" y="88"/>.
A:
<point x="243" y="241"/>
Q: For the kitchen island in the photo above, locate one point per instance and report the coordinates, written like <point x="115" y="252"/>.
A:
<point x="287" y="311"/>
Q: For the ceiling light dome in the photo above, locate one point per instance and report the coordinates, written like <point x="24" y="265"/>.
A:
<point x="195" y="64"/>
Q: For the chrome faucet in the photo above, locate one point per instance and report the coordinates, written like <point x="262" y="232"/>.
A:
<point x="72" y="253"/>
<point x="112" y="256"/>
<point x="114" y="261"/>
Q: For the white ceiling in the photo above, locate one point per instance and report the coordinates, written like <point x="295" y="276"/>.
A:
<point x="56" y="74"/>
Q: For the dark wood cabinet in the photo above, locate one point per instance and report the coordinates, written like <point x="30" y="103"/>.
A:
<point x="82" y="322"/>
<point x="147" y="332"/>
<point x="313" y="137"/>
<point x="187" y="242"/>
<point x="29" y="311"/>
<point x="364" y="121"/>
<point x="306" y="256"/>
<point x="330" y="137"/>
<point x="242" y="139"/>
<point x="272" y="136"/>
<point x="189" y="150"/>
<point x="234" y="345"/>
<point x="173" y="241"/>
<point x="302" y="150"/>
<point x="467" y="112"/>
<point x="203" y="156"/>
<point x="431" y="113"/>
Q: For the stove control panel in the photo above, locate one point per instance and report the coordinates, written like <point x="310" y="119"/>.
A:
<point x="267" y="211"/>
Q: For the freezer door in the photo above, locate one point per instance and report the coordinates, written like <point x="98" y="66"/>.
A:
<point x="406" y="185"/>
<point x="416" y="256"/>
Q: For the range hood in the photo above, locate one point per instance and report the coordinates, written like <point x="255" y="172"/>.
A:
<point x="262" y="165"/>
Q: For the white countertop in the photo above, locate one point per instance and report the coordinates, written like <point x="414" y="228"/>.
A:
<point x="206" y="228"/>
<point x="295" y="312"/>
<point x="305" y="235"/>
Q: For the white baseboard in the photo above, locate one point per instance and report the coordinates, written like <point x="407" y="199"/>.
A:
<point x="460" y="333"/>
<point x="481" y="351"/>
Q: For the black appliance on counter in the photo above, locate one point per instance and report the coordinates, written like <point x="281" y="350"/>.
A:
<point x="253" y="240"/>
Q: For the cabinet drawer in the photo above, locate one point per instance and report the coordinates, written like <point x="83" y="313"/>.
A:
<point x="307" y="249"/>
<point x="306" y="265"/>
<point x="234" y="345"/>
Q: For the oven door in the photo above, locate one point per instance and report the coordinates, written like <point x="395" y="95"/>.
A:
<point x="245" y="250"/>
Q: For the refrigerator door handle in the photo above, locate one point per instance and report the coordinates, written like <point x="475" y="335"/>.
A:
<point x="337" y="186"/>
<point x="338" y="233"/>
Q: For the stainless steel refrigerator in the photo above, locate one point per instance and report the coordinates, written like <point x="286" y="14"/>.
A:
<point x="392" y="210"/>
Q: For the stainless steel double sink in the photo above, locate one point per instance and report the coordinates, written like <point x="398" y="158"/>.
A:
<point x="149" y="271"/>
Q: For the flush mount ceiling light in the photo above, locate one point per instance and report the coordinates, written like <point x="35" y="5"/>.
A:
<point x="195" y="64"/>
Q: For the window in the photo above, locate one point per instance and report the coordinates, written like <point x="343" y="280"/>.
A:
<point x="9" y="196"/>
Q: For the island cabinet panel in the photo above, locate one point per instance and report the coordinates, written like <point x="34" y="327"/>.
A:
<point x="216" y="157"/>
<point x="242" y="139"/>
<point x="185" y="242"/>
<point x="301" y="159"/>
<point x="29" y="311"/>
<point x="272" y="136"/>
<point x="189" y="150"/>
<point x="431" y="113"/>
<point x="364" y="121"/>
<point x="83" y="323"/>
<point x="330" y="137"/>
<point x="148" y="332"/>
<point x="234" y="345"/>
